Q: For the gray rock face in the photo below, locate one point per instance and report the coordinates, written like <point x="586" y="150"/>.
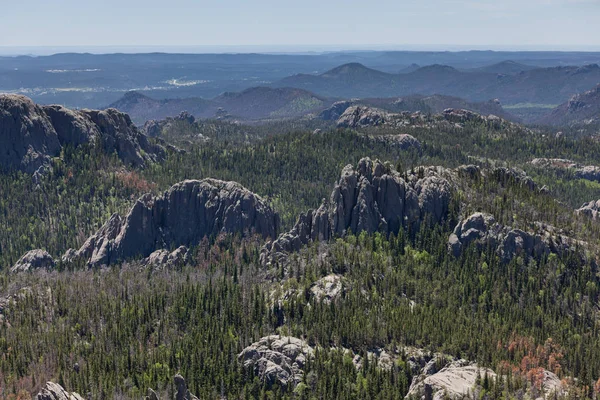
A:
<point x="370" y="198"/>
<point x="357" y="116"/>
<point x="277" y="359"/>
<point x="457" y="380"/>
<point x="336" y="110"/>
<point x="182" y="216"/>
<point x="53" y="391"/>
<point x="162" y="258"/>
<point x="182" y="391"/>
<point x="31" y="135"/>
<point x="33" y="259"/>
<point x="27" y="138"/>
<point x="590" y="209"/>
<point x="483" y="231"/>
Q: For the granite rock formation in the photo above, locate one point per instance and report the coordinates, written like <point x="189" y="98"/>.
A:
<point x="182" y="216"/>
<point x="31" y="135"/>
<point x="373" y="197"/>
<point x="34" y="259"/>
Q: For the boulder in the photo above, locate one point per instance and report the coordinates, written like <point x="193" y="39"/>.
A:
<point x="182" y="216"/>
<point x="277" y="359"/>
<point x="34" y="259"/>
<point x="53" y="391"/>
<point x="373" y="197"/>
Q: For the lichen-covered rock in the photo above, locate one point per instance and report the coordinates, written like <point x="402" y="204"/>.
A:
<point x="34" y="259"/>
<point x="373" y="197"/>
<point x="53" y="391"/>
<point x="182" y="216"/>
<point x="277" y="359"/>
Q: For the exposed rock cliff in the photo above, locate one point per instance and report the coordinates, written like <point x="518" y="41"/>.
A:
<point x="373" y="197"/>
<point x="53" y="391"/>
<point x="33" y="259"/>
<point x="31" y="135"/>
<point x="483" y="231"/>
<point x="182" y="216"/>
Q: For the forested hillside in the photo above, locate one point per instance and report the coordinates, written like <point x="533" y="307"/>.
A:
<point x="452" y="253"/>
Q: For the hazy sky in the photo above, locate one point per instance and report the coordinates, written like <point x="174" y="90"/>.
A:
<point x="350" y="23"/>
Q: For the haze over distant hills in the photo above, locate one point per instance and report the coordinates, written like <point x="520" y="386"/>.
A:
<point x="95" y="80"/>
<point x="540" y="85"/>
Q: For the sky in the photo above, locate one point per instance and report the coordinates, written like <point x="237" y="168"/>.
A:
<point x="301" y="25"/>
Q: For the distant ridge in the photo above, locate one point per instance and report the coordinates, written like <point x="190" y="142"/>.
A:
<point x="581" y="109"/>
<point x="252" y="103"/>
<point x="508" y="81"/>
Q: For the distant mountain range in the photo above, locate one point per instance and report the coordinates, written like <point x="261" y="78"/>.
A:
<point x="516" y="84"/>
<point x="581" y="109"/>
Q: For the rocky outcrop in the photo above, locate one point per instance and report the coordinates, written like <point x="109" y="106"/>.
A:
<point x="277" y="359"/>
<point x="27" y="138"/>
<point x="457" y="380"/>
<point x="328" y="288"/>
<point x="155" y="128"/>
<point x="34" y="259"/>
<point x="373" y="197"/>
<point x="483" y="231"/>
<point x="182" y="391"/>
<point x="53" y="391"/>
<point x="578" y="171"/>
<point x="590" y="209"/>
<point x="335" y="111"/>
<point x="162" y="258"/>
<point x="182" y="216"/>
<point x="581" y="109"/>
<point x="31" y="135"/>
<point x="357" y="116"/>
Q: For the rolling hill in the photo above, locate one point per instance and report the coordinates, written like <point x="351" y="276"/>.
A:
<point x="540" y="85"/>
<point x="250" y="104"/>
